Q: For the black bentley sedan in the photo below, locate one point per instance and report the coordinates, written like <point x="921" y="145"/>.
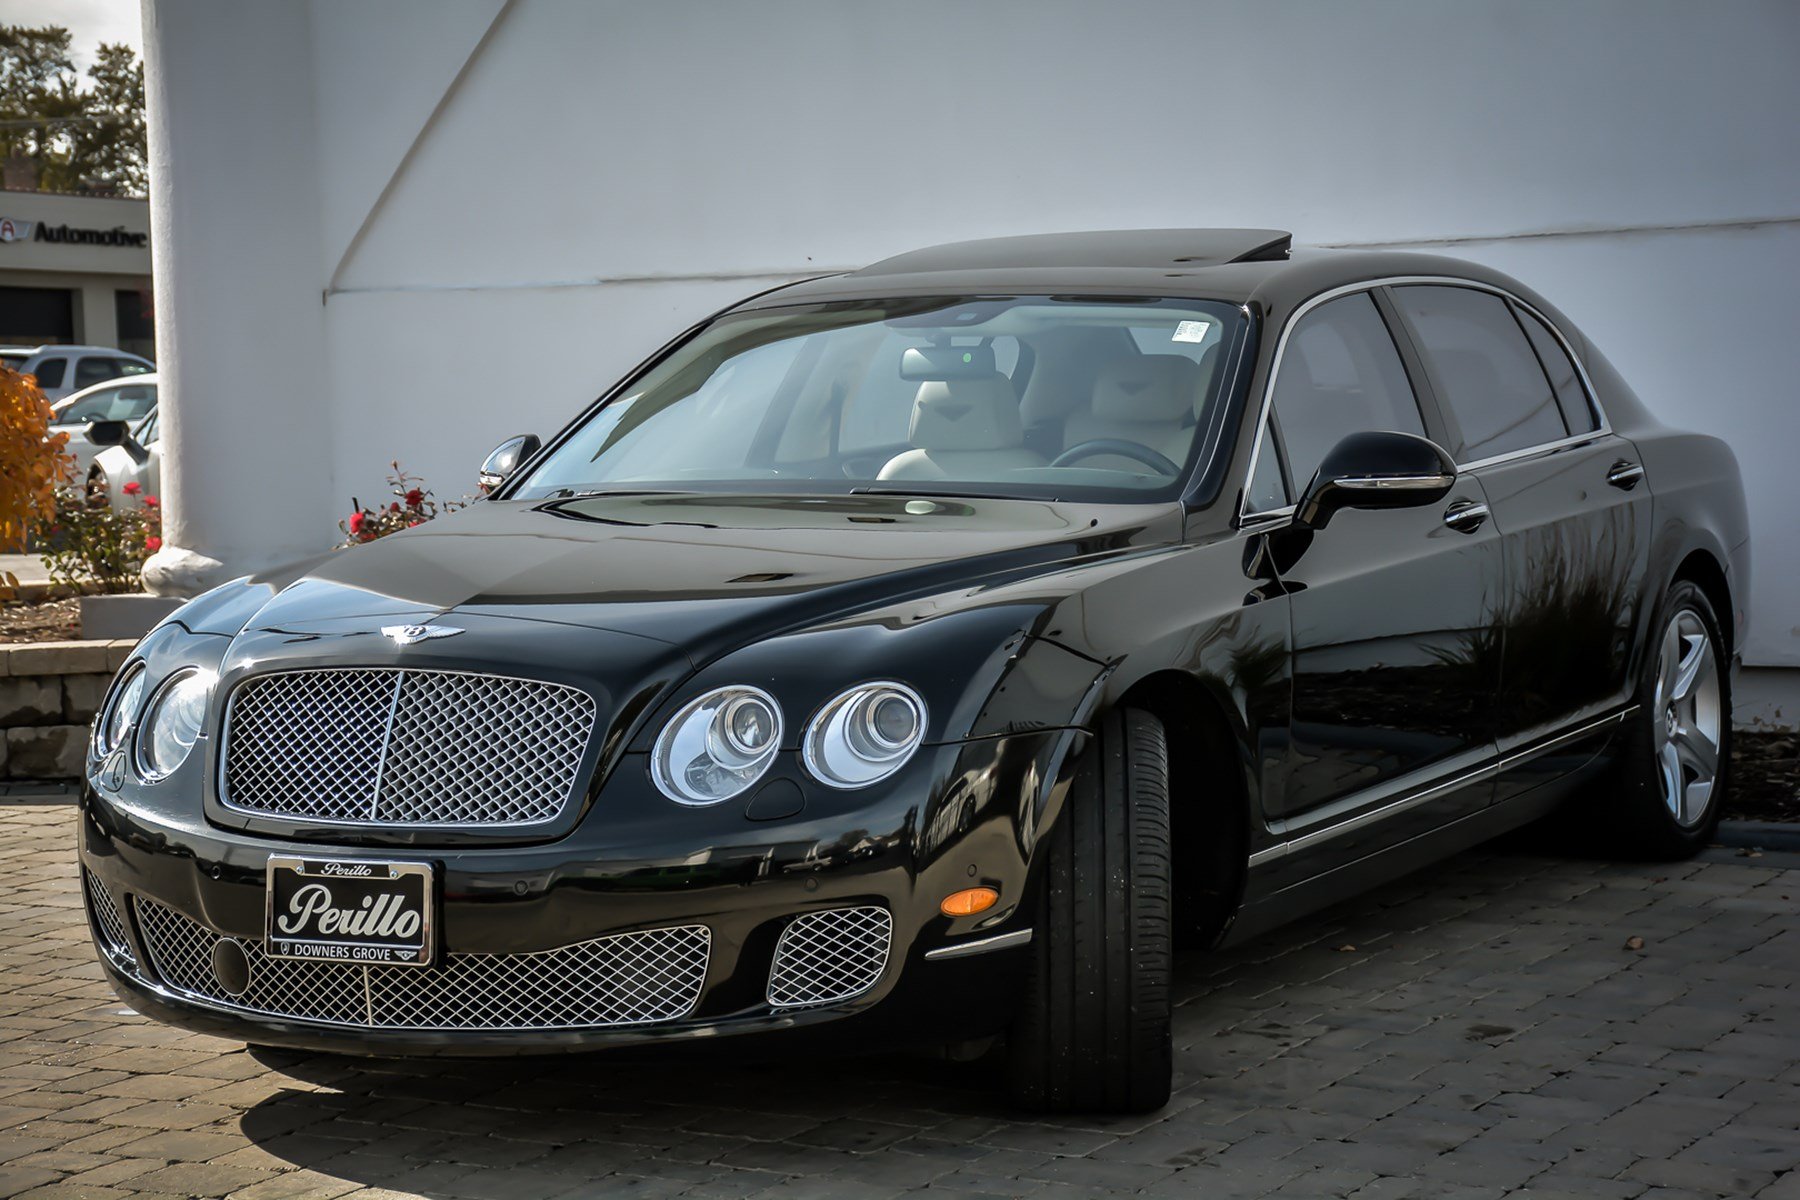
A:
<point x="929" y="650"/>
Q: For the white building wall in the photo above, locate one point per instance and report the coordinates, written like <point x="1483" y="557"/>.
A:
<point x="487" y="211"/>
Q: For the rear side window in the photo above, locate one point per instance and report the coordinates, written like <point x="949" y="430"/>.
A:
<point x="1491" y="378"/>
<point x="1340" y="374"/>
<point x="50" y="372"/>
<point x="1577" y="412"/>
<point x="95" y="369"/>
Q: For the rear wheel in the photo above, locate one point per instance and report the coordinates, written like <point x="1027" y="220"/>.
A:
<point x="1093" y="1033"/>
<point x="1676" y="757"/>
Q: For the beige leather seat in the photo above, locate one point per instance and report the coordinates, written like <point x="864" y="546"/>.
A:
<point x="964" y="429"/>
<point x="1144" y="398"/>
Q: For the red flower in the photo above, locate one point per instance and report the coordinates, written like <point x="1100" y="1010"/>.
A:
<point x="132" y="488"/>
<point x="394" y="507"/>
<point x="153" y="544"/>
<point x="150" y="502"/>
<point x="357" y="521"/>
<point x="410" y="524"/>
<point x="415" y="498"/>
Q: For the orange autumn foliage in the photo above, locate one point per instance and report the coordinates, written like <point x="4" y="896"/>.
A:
<point x="31" y="459"/>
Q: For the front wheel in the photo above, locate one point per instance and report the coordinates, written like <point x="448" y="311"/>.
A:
<point x="1675" y="760"/>
<point x="1093" y="1033"/>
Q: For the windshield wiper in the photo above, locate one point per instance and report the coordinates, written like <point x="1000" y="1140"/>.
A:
<point x="877" y="489"/>
<point x="568" y="493"/>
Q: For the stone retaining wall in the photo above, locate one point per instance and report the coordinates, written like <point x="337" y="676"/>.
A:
<point x="49" y="692"/>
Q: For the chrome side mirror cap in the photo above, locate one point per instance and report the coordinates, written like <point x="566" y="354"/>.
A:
<point x="506" y="459"/>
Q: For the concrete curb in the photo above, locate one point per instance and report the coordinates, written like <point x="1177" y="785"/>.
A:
<point x="60" y="791"/>
<point x="1760" y="835"/>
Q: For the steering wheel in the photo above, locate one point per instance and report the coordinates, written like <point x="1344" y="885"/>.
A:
<point x="1136" y="451"/>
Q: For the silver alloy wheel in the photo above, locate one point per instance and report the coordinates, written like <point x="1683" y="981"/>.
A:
<point x="1687" y="718"/>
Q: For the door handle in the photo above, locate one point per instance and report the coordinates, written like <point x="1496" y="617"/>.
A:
<point x="1466" y="516"/>
<point x="1625" y="475"/>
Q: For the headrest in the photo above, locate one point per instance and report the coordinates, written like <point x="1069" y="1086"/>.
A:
<point x="967" y="414"/>
<point x="947" y="362"/>
<point x="1146" y="387"/>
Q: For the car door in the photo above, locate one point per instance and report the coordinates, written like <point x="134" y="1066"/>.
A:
<point x="1571" y="499"/>
<point x="1394" y="612"/>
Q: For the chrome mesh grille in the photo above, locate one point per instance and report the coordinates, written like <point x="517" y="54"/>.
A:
<point x="626" y="979"/>
<point x="108" y="922"/>
<point x="404" y="747"/>
<point x="824" y="957"/>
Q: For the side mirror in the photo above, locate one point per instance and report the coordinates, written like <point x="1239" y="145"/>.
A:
<point x="506" y="459"/>
<point x="106" y="433"/>
<point x="116" y="433"/>
<point x="1376" y="470"/>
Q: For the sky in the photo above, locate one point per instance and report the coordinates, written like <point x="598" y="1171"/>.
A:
<point x="90" y="22"/>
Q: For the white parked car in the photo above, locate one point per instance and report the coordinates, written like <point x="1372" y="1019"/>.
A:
<point x="130" y="400"/>
<point x="130" y="454"/>
<point x="64" y="370"/>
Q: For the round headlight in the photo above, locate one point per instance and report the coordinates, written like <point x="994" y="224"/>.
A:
<point x="865" y="735"/>
<point x="717" y="746"/>
<point x="120" y="714"/>
<point x="172" y="723"/>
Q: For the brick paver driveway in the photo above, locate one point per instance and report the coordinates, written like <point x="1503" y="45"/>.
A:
<point x="1476" y="1031"/>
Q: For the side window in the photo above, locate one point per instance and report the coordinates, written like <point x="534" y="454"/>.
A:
<point x="1267" y="491"/>
<point x="1577" y="412"/>
<point x="1339" y="374"/>
<point x="94" y="369"/>
<point x="50" y="372"/>
<point x="1491" y="378"/>
<point x="110" y="404"/>
<point x="130" y="366"/>
<point x="97" y="407"/>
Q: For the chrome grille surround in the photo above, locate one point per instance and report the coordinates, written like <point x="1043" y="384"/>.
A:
<point x="404" y="747"/>
<point x="634" y="978"/>
<point x="109" y="922"/>
<point x="828" y="956"/>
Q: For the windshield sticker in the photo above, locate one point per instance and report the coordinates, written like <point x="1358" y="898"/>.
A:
<point x="1191" y="331"/>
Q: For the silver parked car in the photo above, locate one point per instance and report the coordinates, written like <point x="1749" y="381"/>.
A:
<point x="64" y="370"/>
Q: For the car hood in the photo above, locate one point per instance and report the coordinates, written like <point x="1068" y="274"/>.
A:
<point x="700" y="572"/>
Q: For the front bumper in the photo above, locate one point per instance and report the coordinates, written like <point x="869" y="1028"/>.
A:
<point x="583" y="907"/>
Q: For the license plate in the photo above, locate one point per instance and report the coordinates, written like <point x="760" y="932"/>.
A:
<point x="350" y="910"/>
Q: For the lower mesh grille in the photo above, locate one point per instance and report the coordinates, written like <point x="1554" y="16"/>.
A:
<point x="109" y="923"/>
<point x="824" y="957"/>
<point x="625" y="979"/>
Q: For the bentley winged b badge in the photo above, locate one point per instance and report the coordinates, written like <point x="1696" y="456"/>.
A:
<point x="406" y="635"/>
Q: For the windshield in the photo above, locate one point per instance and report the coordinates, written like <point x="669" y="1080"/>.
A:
<point x="1044" y="397"/>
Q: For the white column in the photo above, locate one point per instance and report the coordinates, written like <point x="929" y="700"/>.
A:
<point x="239" y="332"/>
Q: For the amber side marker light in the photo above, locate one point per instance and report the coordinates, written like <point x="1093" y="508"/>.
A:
<point x="969" y="901"/>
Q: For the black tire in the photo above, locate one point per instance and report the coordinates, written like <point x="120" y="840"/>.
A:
<point x="1639" y="820"/>
<point x="1093" y="1033"/>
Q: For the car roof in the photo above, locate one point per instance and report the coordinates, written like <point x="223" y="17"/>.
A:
<point x="1245" y="266"/>
<point x="62" y="349"/>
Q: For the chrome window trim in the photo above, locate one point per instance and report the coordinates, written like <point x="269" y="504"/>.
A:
<point x="1497" y="765"/>
<point x="1245" y="513"/>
